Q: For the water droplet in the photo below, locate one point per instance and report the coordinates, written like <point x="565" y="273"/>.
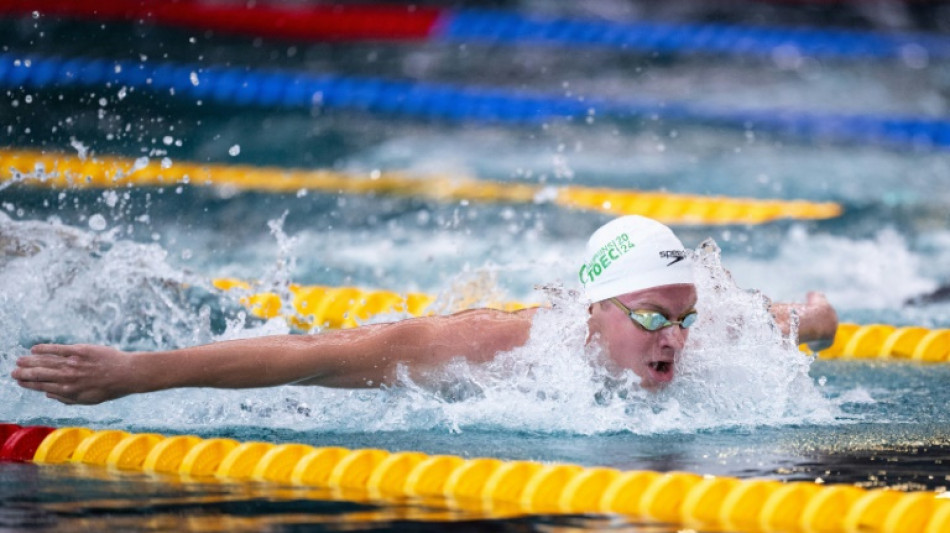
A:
<point x="110" y="198"/>
<point x="97" y="222"/>
<point x="234" y="150"/>
<point x="194" y="78"/>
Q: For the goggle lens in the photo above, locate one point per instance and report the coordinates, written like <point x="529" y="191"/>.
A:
<point x="655" y="321"/>
<point x="650" y="320"/>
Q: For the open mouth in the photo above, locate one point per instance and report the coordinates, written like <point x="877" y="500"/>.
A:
<point x="660" y="372"/>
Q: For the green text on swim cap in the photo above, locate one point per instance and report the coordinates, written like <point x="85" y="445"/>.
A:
<point x="607" y="254"/>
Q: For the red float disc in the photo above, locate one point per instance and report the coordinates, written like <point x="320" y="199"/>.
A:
<point x="6" y="430"/>
<point x="22" y="444"/>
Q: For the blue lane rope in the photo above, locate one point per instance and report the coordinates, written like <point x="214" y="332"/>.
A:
<point x="297" y="90"/>
<point x="508" y="28"/>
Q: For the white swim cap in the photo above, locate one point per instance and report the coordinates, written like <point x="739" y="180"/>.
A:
<point x="630" y="254"/>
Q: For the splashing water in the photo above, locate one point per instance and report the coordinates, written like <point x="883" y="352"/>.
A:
<point x="851" y="272"/>
<point x="76" y="286"/>
<point x="737" y="370"/>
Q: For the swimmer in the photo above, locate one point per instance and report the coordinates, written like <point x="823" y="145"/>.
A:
<point x="637" y="278"/>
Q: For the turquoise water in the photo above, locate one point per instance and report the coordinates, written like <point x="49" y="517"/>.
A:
<point x="133" y="269"/>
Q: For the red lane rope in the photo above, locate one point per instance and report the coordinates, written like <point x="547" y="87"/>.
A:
<point x="329" y="22"/>
<point x="20" y="444"/>
<point x="5" y="431"/>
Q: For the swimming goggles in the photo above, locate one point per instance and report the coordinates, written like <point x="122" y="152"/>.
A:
<point x="655" y="321"/>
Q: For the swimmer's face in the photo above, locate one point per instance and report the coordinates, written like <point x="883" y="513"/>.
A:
<point x="649" y="354"/>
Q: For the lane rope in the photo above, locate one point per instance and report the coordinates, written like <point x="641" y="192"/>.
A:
<point x="348" y="307"/>
<point x="496" y="487"/>
<point x="31" y="167"/>
<point x="883" y="341"/>
<point x="496" y="27"/>
<point x="240" y="86"/>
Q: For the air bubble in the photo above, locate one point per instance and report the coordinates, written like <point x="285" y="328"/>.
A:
<point x="97" y="222"/>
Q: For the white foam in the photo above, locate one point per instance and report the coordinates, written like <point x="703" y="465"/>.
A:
<point x="737" y="370"/>
<point x="878" y="273"/>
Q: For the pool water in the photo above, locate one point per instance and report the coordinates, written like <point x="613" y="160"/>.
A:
<point x="133" y="268"/>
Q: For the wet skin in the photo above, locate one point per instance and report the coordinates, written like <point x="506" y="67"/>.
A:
<point x="649" y="354"/>
<point x="369" y="356"/>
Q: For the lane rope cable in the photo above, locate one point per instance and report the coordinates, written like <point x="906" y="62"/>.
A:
<point x="486" y="485"/>
<point x="480" y="104"/>
<point x="32" y="167"/>
<point x="497" y="27"/>
<point x="348" y="307"/>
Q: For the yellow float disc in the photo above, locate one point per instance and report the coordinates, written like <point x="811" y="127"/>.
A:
<point x="314" y="468"/>
<point x="279" y="462"/>
<point x="201" y="458"/>
<point x="429" y="477"/>
<point x="95" y="449"/>
<point x="240" y="462"/>
<point x="58" y="446"/>
<point x="624" y="492"/>
<point x="131" y="451"/>
<point x="583" y="492"/>
<point x="167" y="455"/>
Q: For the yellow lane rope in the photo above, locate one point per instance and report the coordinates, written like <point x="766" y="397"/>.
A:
<point x="36" y="168"/>
<point x="506" y="488"/>
<point x="347" y="307"/>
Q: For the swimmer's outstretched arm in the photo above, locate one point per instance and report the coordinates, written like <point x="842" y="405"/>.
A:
<point x="356" y="358"/>
<point x="817" y="320"/>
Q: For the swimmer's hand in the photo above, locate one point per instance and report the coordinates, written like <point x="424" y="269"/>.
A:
<point x="77" y="374"/>
<point x="817" y="324"/>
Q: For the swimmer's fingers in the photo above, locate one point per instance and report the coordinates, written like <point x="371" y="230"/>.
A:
<point x="48" y="387"/>
<point x="63" y="350"/>
<point x="40" y="369"/>
<point x="63" y="399"/>
<point x="67" y="393"/>
<point x="819" y="321"/>
<point x="817" y="299"/>
<point x="58" y="383"/>
<point x="40" y="386"/>
<point x="75" y="374"/>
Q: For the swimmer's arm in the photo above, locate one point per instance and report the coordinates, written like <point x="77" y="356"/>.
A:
<point x="362" y="357"/>
<point x="817" y="324"/>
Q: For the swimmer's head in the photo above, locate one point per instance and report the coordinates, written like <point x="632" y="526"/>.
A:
<point x="631" y="254"/>
<point x="637" y="264"/>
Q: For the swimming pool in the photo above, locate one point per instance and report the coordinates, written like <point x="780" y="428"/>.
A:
<point x="133" y="266"/>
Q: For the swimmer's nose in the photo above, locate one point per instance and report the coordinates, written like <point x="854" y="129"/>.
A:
<point x="673" y="337"/>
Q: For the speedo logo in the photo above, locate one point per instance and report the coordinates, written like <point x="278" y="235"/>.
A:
<point x="676" y="255"/>
<point x="604" y="257"/>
